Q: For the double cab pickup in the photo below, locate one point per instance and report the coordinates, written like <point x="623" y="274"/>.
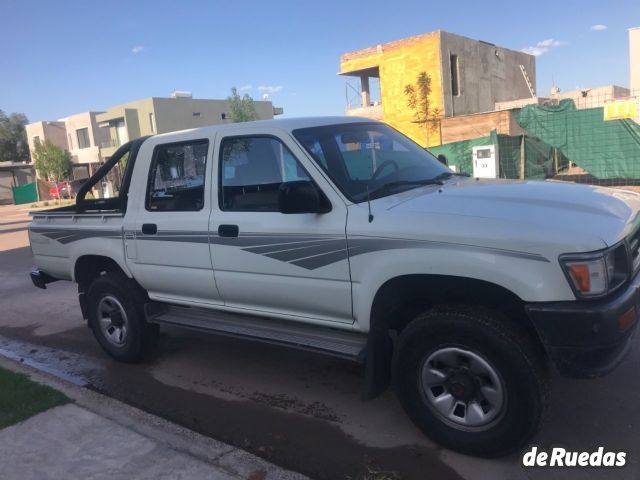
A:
<point x="343" y="236"/>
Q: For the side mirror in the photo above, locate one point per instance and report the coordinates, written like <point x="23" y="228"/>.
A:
<point x="300" y="196"/>
<point x="443" y="159"/>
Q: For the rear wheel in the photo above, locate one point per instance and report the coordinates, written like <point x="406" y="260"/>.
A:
<point x="470" y="380"/>
<point x="116" y="317"/>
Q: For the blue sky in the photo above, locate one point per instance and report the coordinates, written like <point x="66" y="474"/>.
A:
<point x="66" y="57"/>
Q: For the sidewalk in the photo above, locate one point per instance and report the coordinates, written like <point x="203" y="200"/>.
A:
<point x="97" y="437"/>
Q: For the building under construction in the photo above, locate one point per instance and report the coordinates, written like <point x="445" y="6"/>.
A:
<point x="467" y="76"/>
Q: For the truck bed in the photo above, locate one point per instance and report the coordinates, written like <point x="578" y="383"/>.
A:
<point x="60" y="236"/>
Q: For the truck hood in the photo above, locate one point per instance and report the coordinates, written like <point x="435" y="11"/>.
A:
<point x="588" y="211"/>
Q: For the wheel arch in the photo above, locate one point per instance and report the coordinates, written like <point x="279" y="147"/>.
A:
<point x="89" y="267"/>
<point x="402" y="298"/>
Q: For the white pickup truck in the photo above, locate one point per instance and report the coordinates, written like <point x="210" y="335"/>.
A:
<point x="343" y="236"/>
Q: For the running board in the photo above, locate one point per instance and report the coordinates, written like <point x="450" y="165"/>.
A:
<point x="322" y="339"/>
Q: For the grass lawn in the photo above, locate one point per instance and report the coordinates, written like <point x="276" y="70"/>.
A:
<point x="20" y="398"/>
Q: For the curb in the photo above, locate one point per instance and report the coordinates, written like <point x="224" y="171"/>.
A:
<point x="231" y="460"/>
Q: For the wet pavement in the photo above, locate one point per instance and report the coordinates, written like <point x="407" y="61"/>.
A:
<point x="297" y="409"/>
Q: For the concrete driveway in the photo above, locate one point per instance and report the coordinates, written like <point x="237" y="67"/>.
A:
<point x="296" y="409"/>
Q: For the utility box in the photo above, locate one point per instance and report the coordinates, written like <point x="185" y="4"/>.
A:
<point x="485" y="161"/>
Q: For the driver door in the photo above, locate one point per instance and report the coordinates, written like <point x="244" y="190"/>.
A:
<point x="295" y="265"/>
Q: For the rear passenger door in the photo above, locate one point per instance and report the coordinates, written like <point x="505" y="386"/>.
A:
<point x="167" y="246"/>
<point x="295" y="265"/>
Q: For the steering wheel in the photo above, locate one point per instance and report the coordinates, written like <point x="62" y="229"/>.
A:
<point x="381" y="167"/>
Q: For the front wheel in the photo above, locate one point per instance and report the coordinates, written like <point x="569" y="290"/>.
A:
<point x="470" y="380"/>
<point x="117" y="320"/>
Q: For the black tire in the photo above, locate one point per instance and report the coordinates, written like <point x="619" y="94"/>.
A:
<point x="507" y="349"/>
<point x="140" y="336"/>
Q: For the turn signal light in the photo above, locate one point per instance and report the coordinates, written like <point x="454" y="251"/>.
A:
<point x="581" y="276"/>
<point x="627" y="319"/>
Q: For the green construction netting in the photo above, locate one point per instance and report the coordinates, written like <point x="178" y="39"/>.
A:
<point x="606" y="150"/>
<point x="540" y="158"/>
<point x="25" y="194"/>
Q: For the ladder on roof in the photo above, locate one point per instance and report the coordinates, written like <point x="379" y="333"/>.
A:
<point x="528" y="81"/>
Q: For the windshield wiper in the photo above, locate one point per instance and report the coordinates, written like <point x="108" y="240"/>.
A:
<point x="380" y="191"/>
<point x="437" y="180"/>
<point x="445" y="175"/>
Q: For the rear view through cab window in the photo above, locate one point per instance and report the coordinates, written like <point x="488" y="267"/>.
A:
<point x="176" y="179"/>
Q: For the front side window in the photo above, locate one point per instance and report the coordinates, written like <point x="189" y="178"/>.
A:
<point x="83" y="138"/>
<point x="252" y="169"/>
<point x="176" y="178"/>
<point x="371" y="158"/>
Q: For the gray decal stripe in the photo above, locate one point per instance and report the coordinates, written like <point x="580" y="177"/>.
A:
<point x="318" y="261"/>
<point x="174" y="238"/>
<point x="299" y="253"/>
<point x="84" y="236"/>
<point x="58" y="235"/>
<point x="254" y="241"/>
<point x="281" y="247"/>
<point x="291" y="235"/>
<point x="69" y="235"/>
<point x="366" y="245"/>
<point x="44" y="230"/>
<point x="192" y="233"/>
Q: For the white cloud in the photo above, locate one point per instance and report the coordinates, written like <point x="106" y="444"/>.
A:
<point x="598" y="27"/>
<point x="543" y="47"/>
<point x="137" y="49"/>
<point x="244" y="88"/>
<point x="270" y="89"/>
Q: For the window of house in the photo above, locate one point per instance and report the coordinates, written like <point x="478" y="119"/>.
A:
<point x="83" y="138"/>
<point x="252" y="169"/>
<point x="455" y="75"/>
<point x="176" y="178"/>
<point x="152" y="123"/>
<point x="36" y="140"/>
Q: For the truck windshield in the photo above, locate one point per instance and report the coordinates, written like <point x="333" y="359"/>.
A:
<point x="370" y="158"/>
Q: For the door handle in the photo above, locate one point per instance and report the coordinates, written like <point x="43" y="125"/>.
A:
<point x="228" y="230"/>
<point x="149" y="228"/>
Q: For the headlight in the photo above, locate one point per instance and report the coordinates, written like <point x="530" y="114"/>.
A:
<point x="596" y="274"/>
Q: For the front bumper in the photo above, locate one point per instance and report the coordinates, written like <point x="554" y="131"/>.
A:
<point x="588" y="338"/>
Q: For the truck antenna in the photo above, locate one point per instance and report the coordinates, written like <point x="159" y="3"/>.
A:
<point x="369" y="205"/>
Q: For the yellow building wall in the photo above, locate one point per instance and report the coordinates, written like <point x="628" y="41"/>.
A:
<point x="399" y="64"/>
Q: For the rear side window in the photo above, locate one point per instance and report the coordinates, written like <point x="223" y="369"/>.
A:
<point x="252" y="170"/>
<point x="176" y="177"/>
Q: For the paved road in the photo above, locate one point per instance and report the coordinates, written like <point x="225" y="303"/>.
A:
<point x="297" y="409"/>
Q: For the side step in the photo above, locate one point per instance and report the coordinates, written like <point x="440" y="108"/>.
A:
<point x="330" y="341"/>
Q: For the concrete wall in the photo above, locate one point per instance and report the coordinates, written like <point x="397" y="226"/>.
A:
<point x="55" y="132"/>
<point x="63" y="133"/>
<point x="467" y="127"/>
<point x="399" y="64"/>
<point x="174" y="114"/>
<point x="487" y="74"/>
<point x="97" y="136"/>
<point x="169" y="115"/>
<point x="634" y="60"/>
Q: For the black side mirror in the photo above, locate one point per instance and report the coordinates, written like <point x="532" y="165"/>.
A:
<point x="443" y="159"/>
<point x="300" y="196"/>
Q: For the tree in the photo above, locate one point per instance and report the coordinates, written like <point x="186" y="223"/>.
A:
<point x="52" y="162"/>
<point x="419" y="100"/>
<point x="241" y="109"/>
<point x="13" y="138"/>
